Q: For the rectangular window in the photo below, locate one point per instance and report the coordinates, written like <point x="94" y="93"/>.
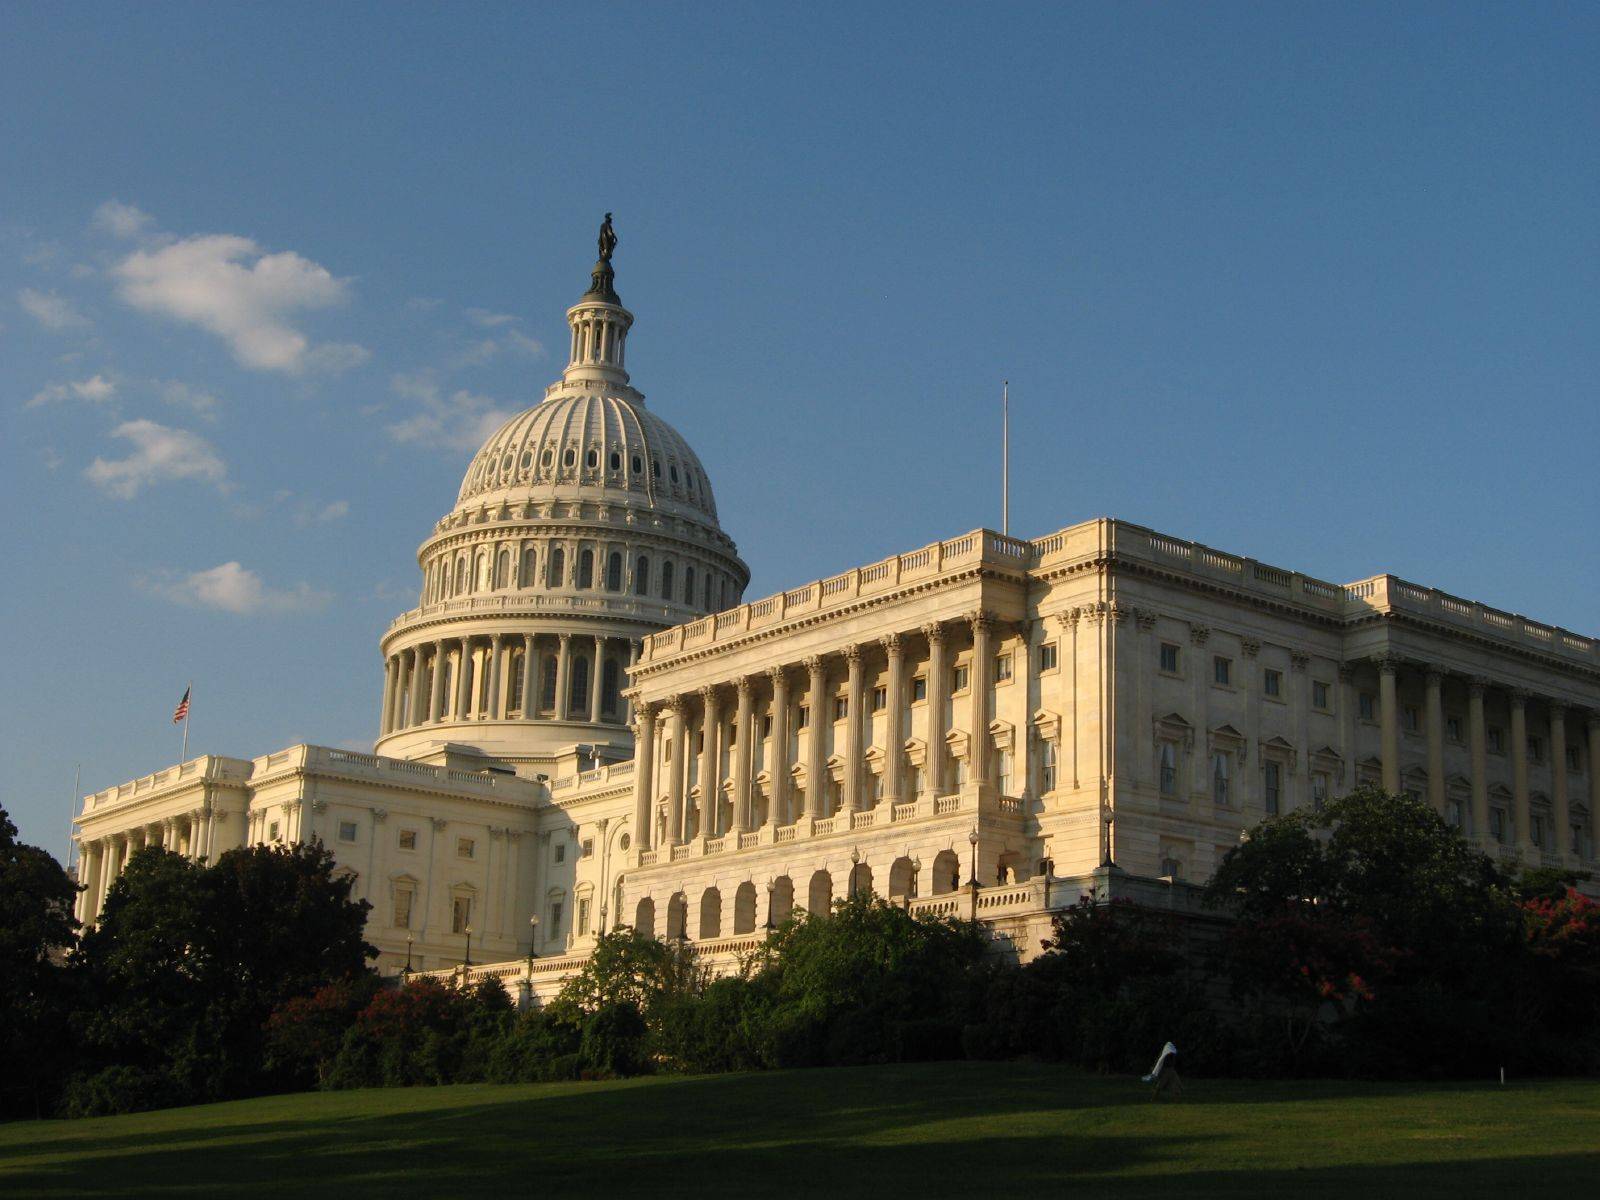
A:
<point x="919" y="688"/>
<point x="1497" y="824"/>
<point x="1219" y="778"/>
<point x="1452" y="728"/>
<point x="555" y="920"/>
<point x="1002" y="668"/>
<point x="1272" y="682"/>
<point x="1169" y="769"/>
<point x="1536" y="830"/>
<point x="347" y="831"/>
<point x="1535" y="749"/>
<point x="1047" y="657"/>
<point x="402" y="908"/>
<point x="880" y="699"/>
<point x="766" y="727"/>
<point x="1319" y="790"/>
<point x="960" y="679"/>
<point x="1367" y="706"/>
<point x="1002" y="769"/>
<point x="1273" y="793"/>
<point x="1497" y="741"/>
<point x="583" y="915"/>
<point x="465" y="848"/>
<point x="1169" y="658"/>
<point x="1321" y="695"/>
<point x="802" y="717"/>
<point x="461" y="914"/>
<point x="408" y="839"/>
<point x="1047" y="766"/>
<point x="559" y="852"/>
<point x="1222" y="671"/>
<point x="587" y="850"/>
<point x="1573" y="762"/>
<point x="1412" y="718"/>
<point x="272" y="832"/>
<point x="841" y="707"/>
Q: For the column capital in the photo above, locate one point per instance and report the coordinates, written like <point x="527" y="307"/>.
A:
<point x="676" y="705"/>
<point x="1299" y="660"/>
<point x="779" y="676"/>
<point x="1387" y="664"/>
<point x="1250" y="647"/>
<point x="1519" y="696"/>
<point x="1477" y="685"/>
<point x="1198" y="633"/>
<point x="1067" y="619"/>
<point x="852" y="655"/>
<point x="812" y="663"/>
<point x="1557" y="709"/>
<point x="746" y="685"/>
<point x="1347" y="672"/>
<point x="645" y="710"/>
<point x="981" y="620"/>
<point x="566" y="638"/>
<point x="1433" y="675"/>
<point x="934" y="632"/>
<point x="1146" y="618"/>
<point x="707" y="693"/>
<point x="891" y="643"/>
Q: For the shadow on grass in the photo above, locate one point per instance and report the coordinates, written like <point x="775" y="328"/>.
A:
<point x="937" y="1130"/>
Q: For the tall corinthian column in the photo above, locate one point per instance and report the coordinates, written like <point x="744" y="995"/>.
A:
<point x="816" y="757"/>
<point x="938" y="706"/>
<point x="1389" y="717"/>
<point x="1561" y="808"/>
<point x="979" y="685"/>
<point x="743" y="746"/>
<point x="1478" y="743"/>
<point x="852" y="730"/>
<point x="1519" y="767"/>
<point x="710" y="783"/>
<point x="644" y="758"/>
<point x="894" y="737"/>
<point x="778" y="813"/>
<point x="1436" y="739"/>
<point x="436" y="692"/>
<point x="678" y="749"/>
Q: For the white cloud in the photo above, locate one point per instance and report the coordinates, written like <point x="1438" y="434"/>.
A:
<point x="181" y="395"/>
<point x="517" y="340"/>
<point x="159" y="454"/>
<point x="314" y="514"/>
<point x="52" y="311"/>
<point x="460" y="421"/>
<point x="97" y="389"/>
<point x="120" y="220"/>
<point x="228" y="286"/>
<point x="234" y="588"/>
<point x="50" y="458"/>
<point x="489" y="320"/>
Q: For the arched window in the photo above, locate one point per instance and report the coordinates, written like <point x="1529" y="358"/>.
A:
<point x="530" y="565"/>
<point x="558" y="566"/>
<point x="569" y="457"/>
<point x="616" y="461"/>
<point x="592" y="459"/>
<point x="666" y="581"/>
<point x="547" y="684"/>
<point x="706" y="604"/>
<point x="461" y="576"/>
<point x="638" y="465"/>
<point x="485" y="573"/>
<point x="641" y="576"/>
<point x="579" y="699"/>
<point x="586" y="568"/>
<point x="608" y="688"/>
<point x="688" y="585"/>
<point x="503" y="576"/>
<point x="614" y="572"/>
<point x="514" y="694"/>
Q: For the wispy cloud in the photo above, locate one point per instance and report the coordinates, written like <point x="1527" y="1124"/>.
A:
<point x="160" y="454"/>
<point x="323" y="514"/>
<point x="490" y="320"/>
<point x="230" y="287"/>
<point x="180" y="395"/>
<point x="120" y="220"/>
<point x="460" y="421"/>
<point x="97" y="389"/>
<point x="54" y="312"/>
<point x="233" y="588"/>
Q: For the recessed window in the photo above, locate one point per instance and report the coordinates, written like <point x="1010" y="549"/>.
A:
<point x="592" y="459"/>
<point x="1272" y="682"/>
<point x="461" y="914"/>
<point x="1272" y="795"/>
<point x="1321" y="695"/>
<point x="1047" y="766"/>
<point x="880" y="699"/>
<point x="841" y="707"/>
<point x="1047" y="657"/>
<point x="1573" y="759"/>
<point x="545" y="458"/>
<point x="1497" y="740"/>
<point x="408" y="839"/>
<point x="674" y="473"/>
<point x="559" y="851"/>
<point x="1535" y="749"/>
<point x="1169" y="769"/>
<point x="1452" y="728"/>
<point x="1169" y="658"/>
<point x="272" y="831"/>
<point x="583" y="915"/>
<point x="465" y="848"/>
<point x="802" y="716"/>
<point x="527" y="459"/>
<point x="347" y="831"/>
<point x="587" y="850"/>
<point x="1221" y="778"/>
<point x="1367" y="706"/>
<point x="919" y="688"/>
<point x="569" y="457"/>
<point x="1536" y="830"/>
<point x="1222" y="671"/>
<point x="402" y="908"/>
<point x="554" y="927"/>
<point x="1319" y="790"/>
<point x="1413" y="718"/>
<point x="1002" y="668"/>
<point x="1497" y="824"/>
<point x="960" y="678"/>
<point x="638" y="465"/>
<point x="616" y="461"/>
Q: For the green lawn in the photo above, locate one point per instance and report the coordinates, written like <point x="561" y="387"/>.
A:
<point x="948" y="1129"/>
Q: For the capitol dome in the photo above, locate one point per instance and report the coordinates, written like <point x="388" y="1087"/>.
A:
<point x="582" y="524"/>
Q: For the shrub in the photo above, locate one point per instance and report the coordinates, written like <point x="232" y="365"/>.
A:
<point x="613" y="1040"/>
<point x="118" y="1090"/>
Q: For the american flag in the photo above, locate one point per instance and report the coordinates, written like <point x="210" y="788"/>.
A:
<point x="182" y="711"/>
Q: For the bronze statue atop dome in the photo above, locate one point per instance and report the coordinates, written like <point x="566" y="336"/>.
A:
<point x="602" y="280"/>
<point x="608" y="239"/>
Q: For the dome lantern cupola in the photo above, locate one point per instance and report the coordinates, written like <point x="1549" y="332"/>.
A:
<point x="599" y="323"/>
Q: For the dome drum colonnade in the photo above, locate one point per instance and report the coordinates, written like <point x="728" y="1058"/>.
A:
<point x="582" y="525"/>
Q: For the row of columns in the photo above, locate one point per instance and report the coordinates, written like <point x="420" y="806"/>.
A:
<point x="480" y="665"/>
<point x="102" y="859"/>
<point x="1478" y="749"/>
<point x="669" y="721"/>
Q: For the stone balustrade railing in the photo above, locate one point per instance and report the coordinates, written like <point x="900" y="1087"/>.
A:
<point x="207" y="768"/>
<point x="516" y="603"/>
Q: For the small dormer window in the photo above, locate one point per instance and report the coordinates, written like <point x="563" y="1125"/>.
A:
<point x="674" y="472"/>
<point x="616" y="461"/>
<point x="592" y="460"/>
<point x="569" y="458"/>
<point x="544" y="459"/>
<point x="638" y="465"/>
<point x="527" y="459"/>
<point x="655" y="467"/>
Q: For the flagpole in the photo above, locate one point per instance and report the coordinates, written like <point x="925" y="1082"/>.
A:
<point x="189" y="693"/>
<point x="72" y="842"/>
<point x="1005" y="458"/>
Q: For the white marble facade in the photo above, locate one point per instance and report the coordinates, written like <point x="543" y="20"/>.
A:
<point x="582" y="725"/>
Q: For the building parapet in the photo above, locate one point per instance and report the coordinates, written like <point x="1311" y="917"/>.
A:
<point x="209" y="768"/>
<point x="397" y="772"/>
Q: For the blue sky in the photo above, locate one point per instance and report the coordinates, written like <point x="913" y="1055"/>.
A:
<point x="1315" y="284"/>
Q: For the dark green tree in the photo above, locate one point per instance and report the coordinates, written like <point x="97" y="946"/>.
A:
<point x="37" y="929"/>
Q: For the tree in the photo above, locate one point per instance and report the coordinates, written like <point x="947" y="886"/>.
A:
<point x="36" y="929"/>
<point x="188" y="962"/>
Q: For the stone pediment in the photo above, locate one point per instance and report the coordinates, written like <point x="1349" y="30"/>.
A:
<point x="1047" y="724"/>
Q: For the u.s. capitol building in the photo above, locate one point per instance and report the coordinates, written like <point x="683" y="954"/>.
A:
<point x="584" y="723"/>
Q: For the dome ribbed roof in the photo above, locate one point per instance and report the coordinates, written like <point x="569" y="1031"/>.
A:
<point x="594" y="447"/>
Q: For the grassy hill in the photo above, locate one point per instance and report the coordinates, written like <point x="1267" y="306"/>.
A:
<point x="944" y="1129"/>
